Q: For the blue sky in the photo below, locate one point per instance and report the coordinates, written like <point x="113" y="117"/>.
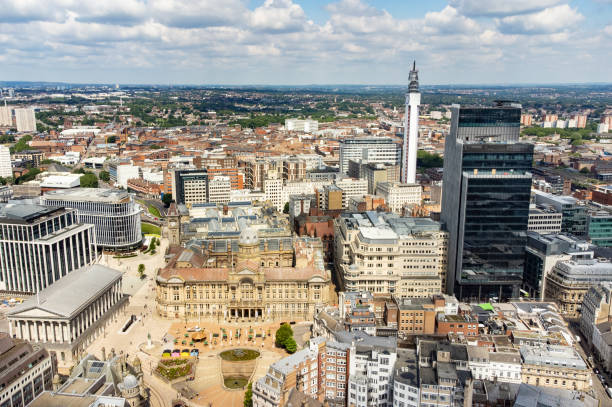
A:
<point x="306" y="41"/>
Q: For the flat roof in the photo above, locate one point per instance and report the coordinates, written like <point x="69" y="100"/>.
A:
<point x="25" y="213"/>
<point x="69" y="294"/>
<point x="88" y="194"/>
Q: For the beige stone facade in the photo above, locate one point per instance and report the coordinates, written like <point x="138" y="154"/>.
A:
<point x="393" y="255"/>
<point x="247" y="286"/>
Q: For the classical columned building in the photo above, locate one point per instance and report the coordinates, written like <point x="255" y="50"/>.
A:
<point x="68" y="315"/>
<point x="191" y="287"/>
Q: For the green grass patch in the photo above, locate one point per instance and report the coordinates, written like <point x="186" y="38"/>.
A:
<point x="235" y="382"/>
<point x="237" y="355"/>
<point x="154" y="211"/>
<point x="149" y="229"/>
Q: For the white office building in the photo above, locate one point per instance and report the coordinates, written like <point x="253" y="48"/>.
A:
<point x="352" y="188"/>
<point x="6" y="167"/>
<point x="398" y="195"/>
<point x="25" y="119"/>
<point x="6" y="117"/>
<point x="371" y="376"/>
<point x="369" y="149"/>
<point x="125" y="173"/>
<point x="40" y="245"/>
<point x="304" y="125"/>
<point x="113" y="212"/>
<point x="219" y="188"/>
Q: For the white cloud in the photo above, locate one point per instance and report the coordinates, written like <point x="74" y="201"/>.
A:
<point x="500" y="8"/>
<point x="550" y="20"/>
<point x="226" y="42"/>
<point x="278" y="16"/>
<point x="450" y="21"/>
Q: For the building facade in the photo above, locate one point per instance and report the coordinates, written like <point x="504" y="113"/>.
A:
<point x="246" y="286"/>
<point x="399" y="195"/>
<point x="570" y="280"/>
<point x="25" y="120"/>
<point x="485" y="205"/>
<point x="26" y="371"/>
<point x="113" y="212"/>
<point x="387" y="254"/>
<point x="69" y="315"/>
<point x="40" y="245"/>
<point x="190" y="186"/>
<point x="555" y="366"/>
<point x="6" y="167"/>
<point x="369" y="149"/>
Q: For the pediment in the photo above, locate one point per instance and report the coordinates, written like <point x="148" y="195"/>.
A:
<point x="246" y="272"/>
<point x="176" y="280"/>
<point x="316" y="279"/>
<point x="35" y="313"/>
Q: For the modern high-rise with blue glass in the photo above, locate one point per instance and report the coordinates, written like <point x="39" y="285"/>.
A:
<point x="485" y="202"/>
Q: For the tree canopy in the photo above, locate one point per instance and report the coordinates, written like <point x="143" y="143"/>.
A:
<point x="89" y="181"/>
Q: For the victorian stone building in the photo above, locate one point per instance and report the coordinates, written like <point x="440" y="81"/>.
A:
<point x="251" y="279"/>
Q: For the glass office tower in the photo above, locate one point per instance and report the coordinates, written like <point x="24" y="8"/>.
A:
<point x="485" y="202"/>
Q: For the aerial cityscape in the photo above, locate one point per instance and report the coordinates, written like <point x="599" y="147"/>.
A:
<point x="291" y="203"/>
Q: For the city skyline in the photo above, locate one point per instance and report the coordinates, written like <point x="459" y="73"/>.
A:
<point x="306" y="42"/>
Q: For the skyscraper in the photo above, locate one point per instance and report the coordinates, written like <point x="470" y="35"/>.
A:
<point x="25" y="119"/>
<point x="6" y="169"/>
<point x="411" y="128"/>
<point x="485" y="202"/>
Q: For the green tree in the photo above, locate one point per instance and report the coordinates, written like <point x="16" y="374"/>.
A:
<point x="89" y="181"/>
<point x="282" y="334"/>
<point x="22" y="144"/>
<point x="584" y="170"/>
<point x="167" y="199"/>
<point x="141" y="270"/>
<point x="290" y="345"/>
<point x="248" y="396"/>
<point x="111" y="139"/>
<point x="428" y="160"/>
<point x="286" y="208"/>
<point x="104" y="176"/>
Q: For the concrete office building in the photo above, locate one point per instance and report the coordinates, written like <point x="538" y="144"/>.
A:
<point x="544" y="220"/>
<point x="305" y="125"/>
<point x="190" y="186"/>
<point x="25" y="120"/>
<point x="369" y="149"/>
<point x="387" y="254"/>
<point x="70" y="314"/>
<point x="6" y="167"/>
<point x="485" y="205"/>
<point x="26" y="371"/>
<point x="40" y="245"/>
<point x="351" y="188"/>
<point x="599" y="228"/>
<point x="125" y="173"/>
<point x="399" y="195"/>
<point x="6" y="115"/>
<point x="113" y="212"/>
<point x="219" y="188"/>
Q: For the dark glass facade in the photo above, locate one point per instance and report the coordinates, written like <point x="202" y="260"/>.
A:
<point x="485" y="205"/>
<point x="479" y="117"/>
<point x="494" y="235"/>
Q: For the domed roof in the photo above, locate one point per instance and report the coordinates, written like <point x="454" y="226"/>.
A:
<point x="248" y="236"/>
<point x="130" y="382"/>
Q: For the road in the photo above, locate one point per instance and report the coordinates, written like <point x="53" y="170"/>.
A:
<point x="599" y="391"/>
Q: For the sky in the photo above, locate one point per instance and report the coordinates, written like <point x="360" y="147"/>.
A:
<point x="303" y="42"/>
